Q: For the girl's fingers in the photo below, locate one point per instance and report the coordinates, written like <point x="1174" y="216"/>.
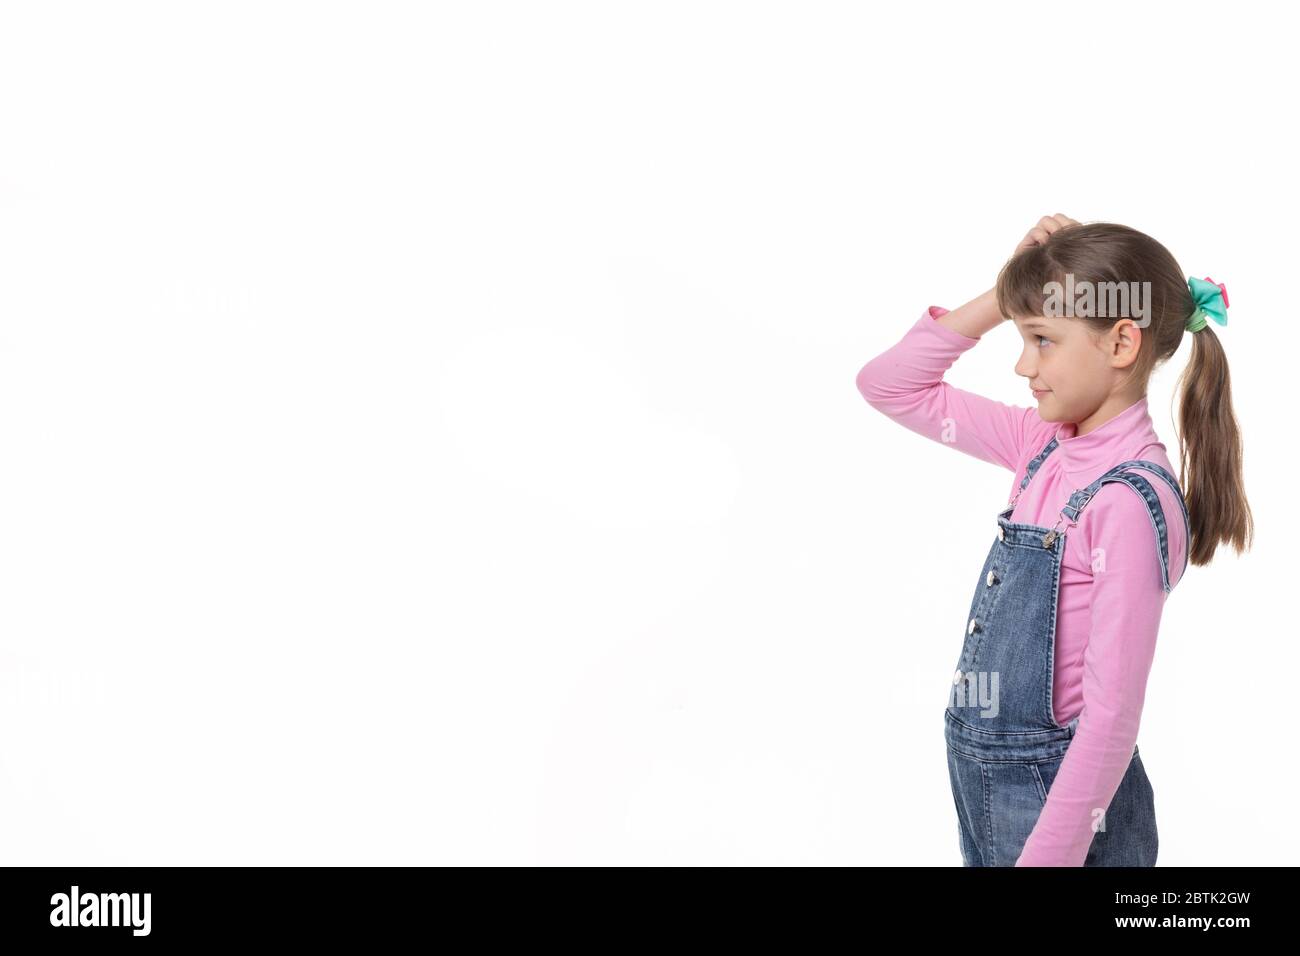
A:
<point x="1046" y="226"/>
<point x="1033" y="237"/>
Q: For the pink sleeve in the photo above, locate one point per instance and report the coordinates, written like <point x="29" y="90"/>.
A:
<point x="1127" y="599"/>
<point x="906" y="383"/>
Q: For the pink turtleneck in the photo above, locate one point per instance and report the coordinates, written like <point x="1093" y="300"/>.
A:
<point x="1111" y="596"/>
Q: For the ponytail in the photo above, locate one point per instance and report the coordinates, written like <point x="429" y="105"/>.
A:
<point x="1210" y="451"/>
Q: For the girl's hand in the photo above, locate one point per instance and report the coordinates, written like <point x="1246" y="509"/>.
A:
<point x="1046" y="226"/>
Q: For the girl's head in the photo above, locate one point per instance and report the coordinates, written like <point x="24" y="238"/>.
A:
<point x="1099" y="306"/>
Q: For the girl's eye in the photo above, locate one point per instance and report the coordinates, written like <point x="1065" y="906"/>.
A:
<point x="1042" y="340"/>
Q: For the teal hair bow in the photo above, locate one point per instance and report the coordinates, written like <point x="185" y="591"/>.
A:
<point x="1211" y="301"/>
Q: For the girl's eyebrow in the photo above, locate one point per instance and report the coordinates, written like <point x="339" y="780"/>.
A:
<point x="1034" y="325"/>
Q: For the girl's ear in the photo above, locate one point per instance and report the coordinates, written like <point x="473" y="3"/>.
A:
<point x="1125" y="342"/>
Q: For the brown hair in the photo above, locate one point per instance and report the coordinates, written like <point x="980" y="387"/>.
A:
<point x="1209" y="440"/>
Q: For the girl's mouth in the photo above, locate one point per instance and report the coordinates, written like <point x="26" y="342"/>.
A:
<point x="1040" y="392"/>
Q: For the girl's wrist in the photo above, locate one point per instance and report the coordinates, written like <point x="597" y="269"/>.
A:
<point x="976" y="317"/>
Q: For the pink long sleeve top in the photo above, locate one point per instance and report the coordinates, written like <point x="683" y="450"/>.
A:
<point x="1111" y="593"/>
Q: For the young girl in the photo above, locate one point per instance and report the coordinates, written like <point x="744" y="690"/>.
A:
<point x="1042" y="722"/>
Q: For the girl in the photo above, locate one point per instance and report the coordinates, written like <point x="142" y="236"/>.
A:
<point x="1042" y="722"/>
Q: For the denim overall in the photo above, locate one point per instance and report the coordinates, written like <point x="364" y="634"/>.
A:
<point x="1004" y="744"/>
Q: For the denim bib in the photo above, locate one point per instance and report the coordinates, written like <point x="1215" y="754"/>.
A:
<point x="1004" y="744"/>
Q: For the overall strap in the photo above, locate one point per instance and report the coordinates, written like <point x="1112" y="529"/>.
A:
<point x="1033" y="467"/>
<point x="1143" y="487"/>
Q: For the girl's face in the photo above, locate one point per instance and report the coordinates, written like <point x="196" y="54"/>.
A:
<point x="1072" y="369"/>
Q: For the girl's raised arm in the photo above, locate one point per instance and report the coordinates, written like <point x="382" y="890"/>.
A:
<point x="906" y="383"/>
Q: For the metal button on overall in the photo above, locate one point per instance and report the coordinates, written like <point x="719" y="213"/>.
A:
<point x="1003" y="741"/>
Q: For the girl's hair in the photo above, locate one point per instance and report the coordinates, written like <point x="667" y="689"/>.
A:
<point x="1209" y="440"/>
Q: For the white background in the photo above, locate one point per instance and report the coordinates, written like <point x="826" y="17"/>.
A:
<point x="429" y="432"/>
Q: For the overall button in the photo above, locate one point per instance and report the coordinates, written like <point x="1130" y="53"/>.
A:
<point x="1002" y="535"/>
<point x="956" y="678"/>
<point x="988" y="581"/>
<point x="971" y="628"/>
